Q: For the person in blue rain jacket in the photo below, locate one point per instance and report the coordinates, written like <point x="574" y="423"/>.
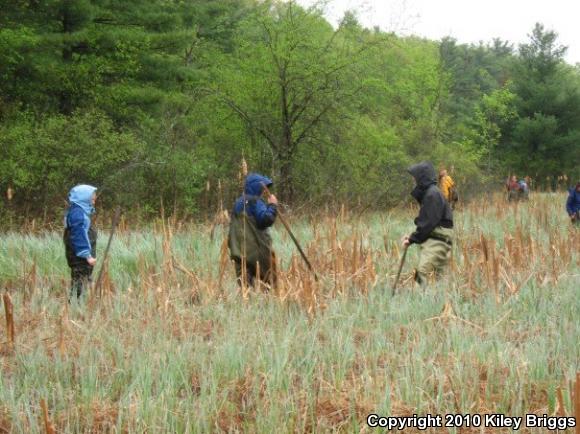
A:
<point x="573" y="204"/>
<point x="249" y="240"/>
<point x="80" y="237"/>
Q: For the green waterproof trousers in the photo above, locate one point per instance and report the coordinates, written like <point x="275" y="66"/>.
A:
<point x="434" y="255"/>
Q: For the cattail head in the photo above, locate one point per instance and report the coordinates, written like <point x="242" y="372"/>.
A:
<point x="244" y="167"/>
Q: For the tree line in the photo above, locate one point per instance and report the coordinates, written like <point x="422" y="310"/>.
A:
<point x="158" y="102"/>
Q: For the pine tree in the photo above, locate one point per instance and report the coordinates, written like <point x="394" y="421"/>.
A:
<point x="544" y="139"/>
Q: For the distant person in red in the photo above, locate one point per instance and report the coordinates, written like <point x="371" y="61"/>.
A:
<point x="513" y="188"/>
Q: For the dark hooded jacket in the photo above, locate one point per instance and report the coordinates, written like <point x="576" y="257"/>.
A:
<point x="248" y="235"/>
<point x="435" y="210"/>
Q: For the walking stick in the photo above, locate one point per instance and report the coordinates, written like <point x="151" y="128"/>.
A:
<point x="400" y="269"/>
<point x="283" y="220"/>
<point x="116" y="219"/>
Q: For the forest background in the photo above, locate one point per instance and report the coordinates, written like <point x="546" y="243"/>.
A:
<point x="158" y="102"/>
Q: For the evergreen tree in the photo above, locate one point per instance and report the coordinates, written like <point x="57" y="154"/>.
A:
<point x="543" y="140"/>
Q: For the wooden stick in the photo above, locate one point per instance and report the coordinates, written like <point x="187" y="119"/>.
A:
<point x="297" y="245"/>
<point x="283" y="220"/>
<point x="400" y="269"/>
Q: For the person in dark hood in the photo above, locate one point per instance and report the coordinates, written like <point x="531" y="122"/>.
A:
<point x="434" y="225"/>
<point x="80" y="237"/>
<point x="249" y="240"/>
<point x="573" y="204"/>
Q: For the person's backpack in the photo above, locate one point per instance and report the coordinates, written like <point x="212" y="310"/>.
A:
<point x="453" y="196"/>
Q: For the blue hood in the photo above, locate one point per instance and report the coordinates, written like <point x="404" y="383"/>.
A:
<point x="255" y="184"/>
<point x="81" y="195"/>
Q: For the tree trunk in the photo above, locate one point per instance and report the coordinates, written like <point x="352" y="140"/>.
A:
<point x="286" y="152"/>
<point x="65" y="100"/>
<point x="286" y="182"/>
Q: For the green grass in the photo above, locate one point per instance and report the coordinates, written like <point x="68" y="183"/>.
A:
<point x="147" y="359"/>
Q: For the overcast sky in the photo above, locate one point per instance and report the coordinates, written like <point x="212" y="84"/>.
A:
<point x="467" y="20"/>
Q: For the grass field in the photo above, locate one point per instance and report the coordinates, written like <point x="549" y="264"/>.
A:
<point x="174" y="346"/>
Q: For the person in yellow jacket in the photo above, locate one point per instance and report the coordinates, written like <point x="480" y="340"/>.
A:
<point x="447" y="187"/>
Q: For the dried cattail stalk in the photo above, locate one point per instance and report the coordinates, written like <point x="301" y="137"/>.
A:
<point x="244" y="276"/>
<point x="561" y="410"/>
<point x="496" y="273"/>
<point x="484" y="248"/>
<point x="258" y="280"/>
<point x="355" y="257"/>
<point x="62" y="326"/>
<point x="9" y="193"/>
<point x="466" y="262"/>
<point x="554" y="266"/>
<point x="48" y="426"/>
<point x="32" y="278"/>
<point x="9" y="311"/>
<point x="577" y="402"/>
<point x="274" y="271"/>
<point x="386" y="245"/>
<point x="224" y="257"/>
<point x="107" y="288"/>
